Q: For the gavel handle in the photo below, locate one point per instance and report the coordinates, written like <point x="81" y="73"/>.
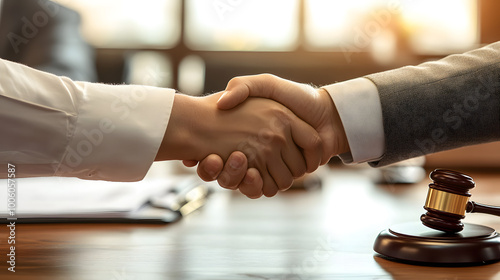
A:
<point x="473" y="207"/>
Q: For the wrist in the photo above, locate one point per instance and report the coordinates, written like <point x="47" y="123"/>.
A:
<point x="358" y="104"/>
<point x="336" y="133"/>
<point x="180" y="141"/>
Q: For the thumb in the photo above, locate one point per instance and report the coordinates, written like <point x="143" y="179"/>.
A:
<point x="240" y="88"/>
<point x="235" y="93"/>
<point x="232" y="98"/>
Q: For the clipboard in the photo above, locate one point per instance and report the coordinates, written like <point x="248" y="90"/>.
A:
<point x="152" y="201"/>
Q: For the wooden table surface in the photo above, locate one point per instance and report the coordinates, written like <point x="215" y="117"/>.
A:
<point x="324" y="233"/>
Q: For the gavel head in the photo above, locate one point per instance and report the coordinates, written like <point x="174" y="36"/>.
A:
<point x="447" y="200"/>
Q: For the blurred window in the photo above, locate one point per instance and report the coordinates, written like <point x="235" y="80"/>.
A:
<point x="424" y="26"/>
<point x="129" y="23"/>
<point x="239" y="25"/>
<point x="381" y="26"/>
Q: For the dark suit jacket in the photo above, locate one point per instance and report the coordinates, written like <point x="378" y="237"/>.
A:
<point x="440" y="105"/>
<point x="45" y="36"/>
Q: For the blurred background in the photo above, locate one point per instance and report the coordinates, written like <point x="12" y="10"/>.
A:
<point x="197" y="46"/>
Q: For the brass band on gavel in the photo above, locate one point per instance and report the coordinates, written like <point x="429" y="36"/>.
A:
<point x="446" y="202"/>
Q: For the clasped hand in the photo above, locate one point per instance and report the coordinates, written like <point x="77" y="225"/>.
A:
<point x="275" y="142"/>
<point x="271" y="162"/>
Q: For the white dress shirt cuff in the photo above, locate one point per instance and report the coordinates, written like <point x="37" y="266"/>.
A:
<point x="358" y="104"/>
<point x="118" y="131"/>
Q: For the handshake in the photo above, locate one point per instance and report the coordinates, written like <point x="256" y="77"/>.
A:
<point x="257" y="136"/>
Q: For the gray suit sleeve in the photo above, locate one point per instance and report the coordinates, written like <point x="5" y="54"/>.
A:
<point x="440" y="105"/>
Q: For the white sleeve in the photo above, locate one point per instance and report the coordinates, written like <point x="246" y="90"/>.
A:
<point x="358" y="104"/>
<point x="52" y="126"/>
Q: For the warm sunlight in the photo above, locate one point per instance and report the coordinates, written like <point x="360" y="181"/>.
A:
<point x="383" y="26"/>
<point x="242" y="25"/>
<point x="129" y="23"/>
<point x="446" y="25"/>
<point x="330" y="23"/>
<point x="427" y="26"/>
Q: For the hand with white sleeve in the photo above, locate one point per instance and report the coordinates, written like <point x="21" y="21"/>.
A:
<point x="278" y="144"/>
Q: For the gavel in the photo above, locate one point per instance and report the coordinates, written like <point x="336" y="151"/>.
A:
<point x="448" y="201"/>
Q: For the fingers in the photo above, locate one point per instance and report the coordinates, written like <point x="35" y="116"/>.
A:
<point x="281" y="176"/>
<point x="232" y="175"/>
<point x="249" y="182"/>
<point x="308" y="139"/>
<point x="252" y="184"/>
<point x="190" y="163"/>
<point x="269" y="187"/>
<point x="234" y="171"/>
<point x="292" y="154"/>
<point x="294" y="160"/>
<point x="210" y="167"/>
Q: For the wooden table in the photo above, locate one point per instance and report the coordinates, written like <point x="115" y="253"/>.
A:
<point x="324" y="233"/>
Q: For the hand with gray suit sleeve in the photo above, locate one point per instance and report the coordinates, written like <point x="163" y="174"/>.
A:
<point x="428" y="108"/>
<point x="440" y="105"/>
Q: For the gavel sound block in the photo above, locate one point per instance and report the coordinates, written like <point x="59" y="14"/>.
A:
<point x="441" y="238"/>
